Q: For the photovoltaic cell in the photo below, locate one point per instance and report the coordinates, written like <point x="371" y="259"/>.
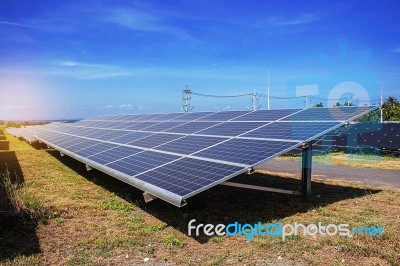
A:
<point x="291" y="130"/>
<point x="140" y="126"/>
<point x="245" y="151"/>
<point x="168" y="117"/>
<point x="231" y="128"/>
<point x="97" y="148"/>
<point x="80" y="144"/>
<point x="163" y="126"/>
<point x="112" y="135"/>
<point x="190" y="144"/>
<point x="192" y="116"/>
<point x="114" y="154"/>
<point x="266" y="115"/>
<point x="130" y="118"/>
<point x="223" y="116"/>
<point x="144" y="161"/>
<point x="130" y="137"/>
<point x="329" y="114"/>
<point x="187" y="175"/>
<point x="191" y="127"/>
<point x="154" y="140"/>
<point x="150" y="117"/>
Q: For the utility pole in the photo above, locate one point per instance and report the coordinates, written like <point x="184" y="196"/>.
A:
<point x="254" y="99"/>
<point x="381" y="107"/>
<point x="268" y="90"/>
<point x="186" y="97"/>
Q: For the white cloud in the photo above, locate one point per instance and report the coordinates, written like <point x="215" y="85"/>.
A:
<point x="126" y="106"/>
<point x="80" y="64"/>
<point x="148" y="21"/>
<point x="142" y="107"/>
<point x="136" y="20"/>
<point x="16" y="24"/>
<point x="301" y="19"/>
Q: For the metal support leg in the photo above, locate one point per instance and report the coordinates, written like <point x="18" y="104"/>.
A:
<point x="306" y="166"/>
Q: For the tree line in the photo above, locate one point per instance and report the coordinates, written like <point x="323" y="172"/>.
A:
<point x="390" y="108"/>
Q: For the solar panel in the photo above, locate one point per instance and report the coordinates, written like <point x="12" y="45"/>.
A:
<point x="291" y="130"/>
<point x="342" y="113"/>
<point x="190" y="144"/>
<point x="114" y="154"/>
<point x="154" y="140"/>
<point x="138" y="163"/>
<point x="187" y="176"/>
<point x="126" y="138"/>
<point x="266" y="115"/>
<point x="231" y="128"/>
<point x="174" y="156"/>
<point x="246" y="151"/>
<point x="191" y="127"/>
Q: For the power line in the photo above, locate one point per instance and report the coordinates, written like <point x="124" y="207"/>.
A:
<point x="221" y="96"/>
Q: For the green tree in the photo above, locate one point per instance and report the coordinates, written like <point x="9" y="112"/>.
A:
<point x="349" y="104"/>
<point x="319" y="105"/>
<point x="390" y="108"/>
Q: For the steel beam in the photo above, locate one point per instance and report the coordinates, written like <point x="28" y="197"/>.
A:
<point x="306" y="166"/>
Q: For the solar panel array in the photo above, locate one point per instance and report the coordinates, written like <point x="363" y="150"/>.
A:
<point x="174" y="156"/>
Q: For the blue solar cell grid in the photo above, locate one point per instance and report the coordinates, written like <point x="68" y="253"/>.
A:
<point x="186" y="176"/>
<point x="190" y="144"/>
<point x="138" y="163"/>
<point x="231" y="128"/>
<point x="191" y="127"/>
<point x="291" y="131"/>
<point x="329" y="114"/>
<point x="245" y="151"/>
<point x="115" y="154"/>
<point x="223" y="116"/>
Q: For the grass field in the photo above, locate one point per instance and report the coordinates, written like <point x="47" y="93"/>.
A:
<point x="70" y="216"/>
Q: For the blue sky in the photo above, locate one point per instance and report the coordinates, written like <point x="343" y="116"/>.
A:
<point x="73" y="59"/>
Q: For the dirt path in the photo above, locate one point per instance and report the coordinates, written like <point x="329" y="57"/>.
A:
<point x="369" y="176"/>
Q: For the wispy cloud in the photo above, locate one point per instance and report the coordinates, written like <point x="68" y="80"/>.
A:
<point x="148" y="21"/>
<point x="396" y="50"/>
<point x="125" y="106"/>
<point x="9" y="23"/>
<point x="298" y="20"/>
<point x="137" y="20"/>
<point x="80" y="64"/>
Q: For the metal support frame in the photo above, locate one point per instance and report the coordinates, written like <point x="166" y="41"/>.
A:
<point x="148" y="197"/>
<point x="306" y="166"/>
<point x="276" y="190"/>
<point x="88" y="168"/>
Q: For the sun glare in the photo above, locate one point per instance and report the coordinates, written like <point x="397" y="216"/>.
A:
<point x="23" y="98"/>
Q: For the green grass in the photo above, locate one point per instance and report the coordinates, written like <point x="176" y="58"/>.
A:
<point x="172" y="240"/>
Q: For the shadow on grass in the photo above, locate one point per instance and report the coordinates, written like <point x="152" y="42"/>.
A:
<point x="223" y="204"/>
<point x="17" y="227"/>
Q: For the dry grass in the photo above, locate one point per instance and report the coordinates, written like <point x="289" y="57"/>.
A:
<point x="97" y="220"/>
<point x="353" y="160"/>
